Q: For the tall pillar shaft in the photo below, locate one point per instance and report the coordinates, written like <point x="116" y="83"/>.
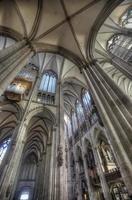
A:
<point x="38" y="192"/>
<point x="91" y="191"/>
<point x="101" y="174"/>
<point x="46" y="174"/>
<point x="53" y="165"/>
<point x="18" y="140"/>
<point x="61" y="192"/>
<point x="115" y="109"/>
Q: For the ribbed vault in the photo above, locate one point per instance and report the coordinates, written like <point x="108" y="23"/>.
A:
<point x="38" y="134"/>
<point x="62" y="24"/>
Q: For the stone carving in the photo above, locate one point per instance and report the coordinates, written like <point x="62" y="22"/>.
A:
<point x="60" y="156"/>
<point x="66" y="150"/>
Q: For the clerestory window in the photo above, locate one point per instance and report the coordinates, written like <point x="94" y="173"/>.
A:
<point x="3" y="149"/>
<point x="126" y="19"/>
<point x="80" y="113"/>
<point x="48" y="82"/>
<point x="24" y="195"/>
<point x="120" y="46"/>
<point x="6" y="42"/>
<point x="74" y="122"/>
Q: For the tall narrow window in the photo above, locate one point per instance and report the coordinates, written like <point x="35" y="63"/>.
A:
<point x="87" y="101"/>
<point x="81" y="117"/>
<point x="120" y="46"/>
<point x="6" y="42"/>
<point x="3" y="149"/>
<point x="74" y="122"/>
<point x="126" y="19"/>
<point x="89" y="107"/>
<point x="119" y="192"/>
<point x="68" y="124"/>
<point x="80" y="113"/>
<point x="24" y="195"/>
<point x="48" y="82"/>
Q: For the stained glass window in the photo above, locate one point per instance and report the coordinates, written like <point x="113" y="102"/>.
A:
<point x="24" y="195"/>
<point x="120" y="46"/>
<point x="68" y="124"/>
<point x="6" y="42"/>
<point x="48" y="82"/>
<point x="3" y="149"/>
<point x="87" y="101"/>
<point x="126" y="19"/>
<point x="119" y="192"/>
<point x="80" y="113"/>
<point x="74" y="122"/>
<point x="90" y="110"/>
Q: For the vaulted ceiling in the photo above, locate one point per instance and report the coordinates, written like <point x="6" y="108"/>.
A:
<point x="64" y="27"/>
<point x="60" y="24"/>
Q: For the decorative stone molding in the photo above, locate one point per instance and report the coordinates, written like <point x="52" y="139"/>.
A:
<point x="60" y="156"/>
<point x="66" y="156"/>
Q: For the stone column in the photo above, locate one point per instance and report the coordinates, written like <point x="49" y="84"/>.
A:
<point x="15" y="158"/>
<point x="53" y="165"/>
<point x="38" y="192"/>
<point x="46" y="176"/>
<point x="91" y="191"/>
<point x="61" y="193"/>
<point x="78" y="189"/>
<point x="123" y="66"/>
<point x="68" y="166"/>
<point x="101" y="174"/>
<point x="12" y="60"/>
<point x="116" y="112"/>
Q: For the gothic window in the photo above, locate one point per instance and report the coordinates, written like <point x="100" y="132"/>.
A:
<point x="74" y="122"/>
<point x="87" y="101"/>
<point x="81" y="116"/>
<point x="126" y="19"/>
<point x="24" y="195"/>
<point x="119" y="192"/>
<point x="89" y="107"/>
<point x="73" y="168"/>
<point x="80" y="113"/>
<point x="3" y="149"/>
<point x="48" y="82"/>
<point x="68" y="125"/>
<point x="106" y="156"/>
<point x="120" y="46"/>
<point x="5" y="42"/>
<point x="90" y="159"/>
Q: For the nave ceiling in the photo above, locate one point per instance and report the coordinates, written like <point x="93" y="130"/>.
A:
<point x="63" y="25"/>
<point x="54" y="26"/>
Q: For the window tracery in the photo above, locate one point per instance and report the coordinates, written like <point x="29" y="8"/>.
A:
<point x="68" y="125"/>
<point x="119" y="192"/>
<point x="6" y="42"/>
<point x="47" y="87"/>
<point x="89" y="107"/>
<point x="81" y="116"/>
<point x="48" y="82"/>
<point x="74" y="123"/>
<point x="3" y="148"/>
<point x="126" y="19"/>
<point x="108" y="162"/>
<point x="24" y="195"/>
<point x="120" y="46"/>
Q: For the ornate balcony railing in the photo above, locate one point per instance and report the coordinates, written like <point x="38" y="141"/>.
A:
<point x="46" y="98"/>
<point x="113" y="174"/>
